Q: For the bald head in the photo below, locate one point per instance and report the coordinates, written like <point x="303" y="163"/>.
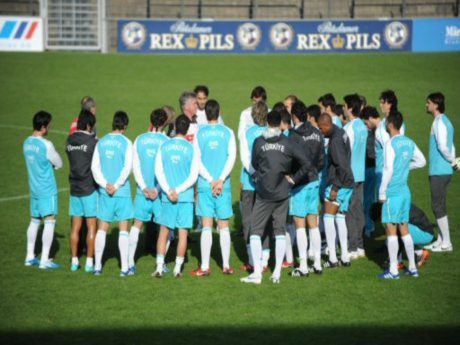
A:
<point x="325" y="124"/>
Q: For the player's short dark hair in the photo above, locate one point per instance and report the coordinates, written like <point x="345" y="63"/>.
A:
<point x="87" y="103"/>
<point x="389" y="97"/>
<point x="339" y="111"/>
<point x="353" y="101"/>
<point x="328" y="100"/>
<point x="285" y="116"/>
<point x="259" y="92"/>
<point x="201" y="88"/>
<point x="299" y="110"/>
<point x="158" y="117"/>
<point x="438" y="99"/>
<point x="396" y="118"/>
<point x="314" y="111"/>
<point x="212" y="109"/>
<point x="42" y="118"/>
<point x="369" y="112"/>
<point x="85" y="119"/>
<point x="182" y="124"/>
<point x="274" y="119"/>
<point x="376" y="211"/>
<point x="279" y="106"/>
<point x="120" y="120"/>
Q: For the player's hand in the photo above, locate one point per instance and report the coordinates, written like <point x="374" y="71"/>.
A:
<point x="382" y="198"/>
<point x="153" y="193"/>
<point x="217" y="188"/>
<point x="172" y="195"/>
<point x="332" y="195"/>
<point x="289" y="179"/>
<point x="110" y="189"/>
<point x="456" y="163"/>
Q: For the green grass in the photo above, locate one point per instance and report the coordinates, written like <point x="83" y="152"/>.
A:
<point x="342" y="306"/>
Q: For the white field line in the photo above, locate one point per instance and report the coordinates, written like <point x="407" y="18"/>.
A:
<point x="31" y="129"/>
<point x="26" y="196"/>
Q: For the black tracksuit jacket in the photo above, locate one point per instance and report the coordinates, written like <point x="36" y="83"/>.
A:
<point x="312" y="142"/>
<point x="80" y="148"/>
<point x="339" y="173"/>
<point x="273" y="158"/>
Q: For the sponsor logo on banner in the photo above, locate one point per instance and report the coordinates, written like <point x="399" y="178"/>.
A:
<point x="134" y="35"/>
<point x="396" y="34"/>
<point x="21" y="34"/>
<point x="452" y="36"/>
<point x="281" y="35"/>
<point x="249" y="35"/>
<point x="339" y="36"/>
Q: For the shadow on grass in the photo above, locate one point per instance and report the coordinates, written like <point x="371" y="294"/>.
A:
<point x="305" y="334"/>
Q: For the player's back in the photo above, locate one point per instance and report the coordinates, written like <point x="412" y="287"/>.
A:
<point x="358" y="150"/>
<point x="42" y="182"/>
<point x="438" y="164"/>
<point x="403" y="148"/>
<point x="147" y="146"/>
<point x="177" y="157"/>
<point x="251" y="134"/>
<point x="214" y="141"/>
<point x="113" y="150"/>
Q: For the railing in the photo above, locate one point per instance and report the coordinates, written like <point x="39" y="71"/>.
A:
<point x="403" y="6"/>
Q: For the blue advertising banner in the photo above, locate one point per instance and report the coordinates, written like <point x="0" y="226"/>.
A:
<point x="199" y="37"/>
<point x="434" y="35"/>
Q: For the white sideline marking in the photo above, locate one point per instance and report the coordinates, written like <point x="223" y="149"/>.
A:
<point x="56" y="131"/>
<point x="26" y="196"/>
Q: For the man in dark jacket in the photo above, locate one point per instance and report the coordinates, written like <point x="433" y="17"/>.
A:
<point x="304" y="199"/>
<point x="83" y="194"/>
<point x="273" y="158"/>
<point x="338" y="191"/>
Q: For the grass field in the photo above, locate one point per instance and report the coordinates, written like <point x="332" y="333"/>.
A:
<point x="340" y="307"/>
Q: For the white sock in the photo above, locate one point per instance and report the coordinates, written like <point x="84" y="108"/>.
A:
<point x="393" y="247"/>
<point x="99" y="245"/>
<point x="75" y="260"/>
<point x="315" y="238"/>
<point x="302" y="244"/>
<point x="160" y="262"/>
<point x="289" y="254"/>
<point x="248" y="250"/>
<point x="256" y="250"/>
<point x="178" y="266"/>
<point x="89" y="262"/>
<point x="418" y="252"/>
<point x="280" y="250"/>
<point x="343" y="236"/>
<point x="329" y="228"/>
<point x="409" y="246"/>
<point x="32" y="231"/>
<point x="47" y="240"/>
<point x="310" y="246"/>
<point x="123" y="246"/>
<point x="265" y="257"/>
<point x="133" y="239"/>
<point x="205" y="246"/>
<point x="443" y="225"/>
<point x="225" y="242"/>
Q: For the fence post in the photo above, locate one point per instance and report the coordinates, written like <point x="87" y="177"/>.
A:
<point x="200" y="8"/>
<point x="302" y="9"/>
<point x="148" y="14"/>
<point x="251" y="9"/>
<point x="352" y="9"/>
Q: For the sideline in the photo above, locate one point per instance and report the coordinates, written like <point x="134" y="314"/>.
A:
<point x="54" y="131"/>
<point x="26" y="196"/>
